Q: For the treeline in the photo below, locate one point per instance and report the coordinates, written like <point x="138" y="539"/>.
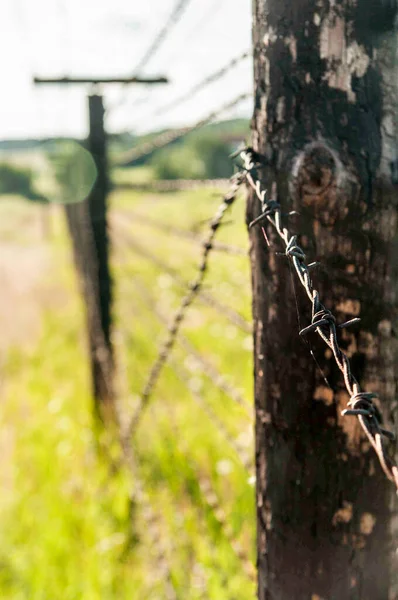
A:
<point x="203" y="154"/>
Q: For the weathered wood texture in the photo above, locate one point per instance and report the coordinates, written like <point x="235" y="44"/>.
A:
<point x="326" y="94"/>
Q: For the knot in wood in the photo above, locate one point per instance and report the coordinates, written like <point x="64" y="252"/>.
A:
<point x="317" y="170"/>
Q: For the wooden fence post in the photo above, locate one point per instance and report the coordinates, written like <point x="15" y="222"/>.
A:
<point x="326" y="92"/>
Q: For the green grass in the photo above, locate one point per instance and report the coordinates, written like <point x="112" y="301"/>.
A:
<point x="65" y="525"/>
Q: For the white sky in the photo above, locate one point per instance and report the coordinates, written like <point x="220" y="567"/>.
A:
<point x="108" y="37"/>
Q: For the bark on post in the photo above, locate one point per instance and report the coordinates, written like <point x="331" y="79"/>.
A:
<point x="326" y="117"/>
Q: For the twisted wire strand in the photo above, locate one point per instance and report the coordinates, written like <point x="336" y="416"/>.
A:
<point x="194" y="288"/>
<point x="323" y="321"/>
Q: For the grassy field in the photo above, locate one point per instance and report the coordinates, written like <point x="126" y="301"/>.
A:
<point x="66" y="525"/>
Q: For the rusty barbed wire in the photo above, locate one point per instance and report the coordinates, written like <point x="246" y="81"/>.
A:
<point x="323" y="321"/>
<point x="182" y="232"/>
<point x="232" y="315"/>
<point x="168" y="137"/>
<point x="194" y="288"/>
<point x="198" y="87"/>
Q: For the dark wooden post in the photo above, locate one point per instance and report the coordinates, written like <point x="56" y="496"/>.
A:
<point x="97" y="203"/>
<point x="326" y="94"/>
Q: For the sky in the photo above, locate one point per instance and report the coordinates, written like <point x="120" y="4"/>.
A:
<point x="108" y="38"/>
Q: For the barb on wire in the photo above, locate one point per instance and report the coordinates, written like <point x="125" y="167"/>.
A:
<point x="182" y="233"/>
<point x="171" y="136"/>
<point x="212" y="78"/>
<point x="232" y="315"/>
<point x="173" y="19"/>
<point x="323" y="321"/>
<point x="179" y="316"/>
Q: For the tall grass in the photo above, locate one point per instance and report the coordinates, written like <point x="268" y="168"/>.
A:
<point x="66" y="526"/>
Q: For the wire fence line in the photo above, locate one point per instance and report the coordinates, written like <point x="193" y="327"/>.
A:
<point x="209" y="496"/>
<point x="206" y="367"/>
<point x="183" y="375"/>
<point x="179" y="316"/>
<point x="324" y="323"/>
<point x="164" y="139"/>
<point x="184" y="233"/>
<point x="205" y="297"/>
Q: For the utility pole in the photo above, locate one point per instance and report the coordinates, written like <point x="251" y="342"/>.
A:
<point x="326" y="121"/>
<point x="88" y="227"/>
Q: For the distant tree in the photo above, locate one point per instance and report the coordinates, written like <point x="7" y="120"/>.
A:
<point x="19" y="181"/>
<point x="178" y="163"/>
<point x="215" y="154"/>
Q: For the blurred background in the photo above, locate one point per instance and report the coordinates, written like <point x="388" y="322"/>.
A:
<point x="118" y="122"/>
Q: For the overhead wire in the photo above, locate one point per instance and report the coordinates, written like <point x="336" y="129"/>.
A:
<point x="161" y="36"/>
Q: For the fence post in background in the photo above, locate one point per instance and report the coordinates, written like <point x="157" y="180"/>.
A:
<point x="87" y="222"/>
<point x="97" y="204"/>
<point x="325" y="120"/>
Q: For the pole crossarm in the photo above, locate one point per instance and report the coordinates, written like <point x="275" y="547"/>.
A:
<point x="95" y="80"/>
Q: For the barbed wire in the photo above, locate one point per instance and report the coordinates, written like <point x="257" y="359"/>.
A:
<point x="166" y="138"/>
<point x="173" y="19"/>
<point x="232" y="315"/>
<point x="323" y="321"/>
<point x="134" y="216"/>
<point x="179" y="316"/>
<point x="198" y="87"/>
<point x="209" y="495"/>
